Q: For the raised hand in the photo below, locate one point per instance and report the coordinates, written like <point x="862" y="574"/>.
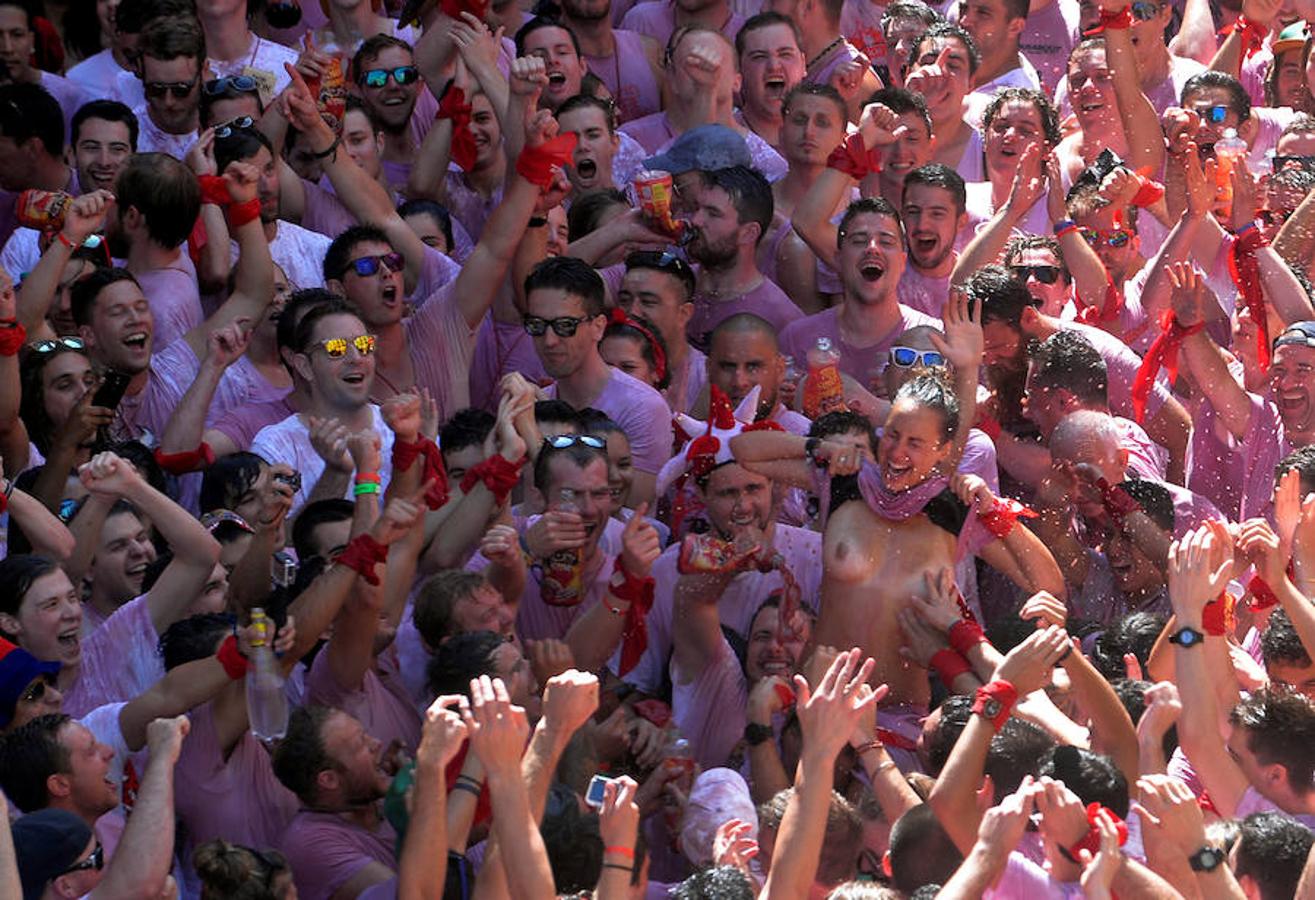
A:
<point x="401" y="413"/>
<point x="734" y="845"/>
<point x="880" y="126"/>
<point x="1119" y="187"/>
<point x="444" y="732"/>
<point x="1029" y="181"/>
<point x="1243" y="211"/>
<point x="1193" y="580"/>
<point x="703" y="61"/>
<point x="109" y="475"/>
<point x="963" y="342"/>
<point x="921" y="640"/>
<point x="840" y="458"/>
<point x="500" y="544"/>
<point x="1056" y="207"/>
<point x="242" y="180"/>
<point x="618" y="820"/>
<point x="201" y="158"/>
<point x="1163" y="708"/>
<point x="400" y="515"/>
<point x="508" y="441"/>
<point x="640" y="544"/>
<point x="477" y="45"/>
<point x="1003" y="825"/>
<point x="297" y="103"/>
<point x="973" y="491"/>
<point x="1261" y="547"/>
<point x="83" y="421"/>
<point x="1063" y="814"/>
<point x="847" y="78"/>
<point x="569" y="700"/>
<point x="363" y="447"/>
<point x="86" y="215"/>
<point x="1029" y="665"/>
<point x="1099" y="870"/>
<point x="771" y="694"/>
<point x="1045" y="608"/>
<point x="1287" y="506"/>
<point x="1187" y="293"/>
<point x="225" y="346"/>
<point x="827" y="715"/>
<point x="1169" y="811"/>
<point x="1198" y="179"/>
<point x="941" y="607"/>
<point x="555" y="530"/>
<point x="497" y="728"/>
<point x="528" y="78"/>
<point x="164" y="737"/>
<point x="932" y="81"/>
<point x="1180" y="127"/>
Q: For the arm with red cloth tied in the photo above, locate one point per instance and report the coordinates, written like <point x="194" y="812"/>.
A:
<point x="1271" y="584"/>
<point x="1245" y="36"/>
<point x="82" y="218"/>
<point x="1099" y="302"/>
<point x="854" y="159"/>
<point x="1140" y="121"/>
<point x="1259" y="272"/>
<point x="183" y="447"/>
<point x="208" y="242"/>
<point x="1015" y="550"/>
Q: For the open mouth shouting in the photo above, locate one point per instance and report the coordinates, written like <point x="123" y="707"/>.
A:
<point x="69" y="639"/>
<point x="774" y="87"/>
<point x="138" y="341"/>
<point x="587" y="169"/>
<point x="556" y="81"/>
<point x="871" y="270"/>
<point x="924" y="245"/>
<point x="389" y="295"/>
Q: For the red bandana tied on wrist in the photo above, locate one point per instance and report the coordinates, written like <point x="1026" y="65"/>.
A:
<point x="1150" y="191"/>
<point x="404" y="456"/>
<point x="1262" y="595"/>
<point x="1110" y="308"/>
<point x="639" y="592"/>
<point x="1001" y="692"/>
<point x="1251" y="34"/>
<point x="1218" y="618"/>
<point x="1163" y="353"/>
<point x="12" y="337"/>
<point x="215" y="190"/>
<point x="618" y="316"/>
<point x="1245" y="269"/>
<point x="536" y="164"/>
<point x="203" y="457"/>
<point x="948" y="665"/>
<point x="854" y="159"/>
<point x="1118" y="21"/>
<point x="1091" y="841"/>
<point x="1000" y="519"/>
<point x="964" y="635"/>
<point x="231" y="658"/>
<point x="361" y="554"/>
<point x="454" y="106"/>
<point x="498" y="474"/>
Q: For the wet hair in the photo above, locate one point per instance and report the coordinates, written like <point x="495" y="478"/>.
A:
<point x="1083" y="199"/>
<point x="233" y="872"/>
<point x="715" y="883"/>
<point x="810" y="89"/>
<point x="931" y="390"/>
<point x="1134" y="633"/>
<point x="1302" y="123"/>
<point x="461" y="658"/>
<point x="844" y="422"/>
<point x="1015" y="751"/>
<point x="29" y="111"/>
<point x="1295" y="178"/>
<point x="589" y="101"/>
<point x="224" y="483"/>
<point x="921" y="852"/>
<point x="211" y="96"/>
<point x="422" y="206"/>
<point x="1280" y="644"/>
<point x="339" y="255"/>
<point x="579" y="454"/>
<point x="939" y="175"/>
<point x="572" y="276"/>
<point x="467" y="428"/>
<point x="586" y="213"/>
<point x="193" y="638"/>
<point x="902" y="101"/>
<point x="749" y="193"/>
<point x="108" y="111"/>
<point x="18" y="572"/>
<point x="763" y="20"/>
<point x="538" y="22"/>
<point x="650" y="342"/>
<point x="1020" y="243"/>
<point x="32" y="400"/>
<point x="1092" y="776"/>
<point x="300" y="757"/>
<point x="1238" y="99"/>
<point x="1067" y="361"/>
<point x="29" y="755"/>
<point x="436" y="600"/>
<point x="1280" y="728"/>
<point x="370" y="49"/>
<point x="312" y="516"/>
<point x="868" y="205"/>
<point x="1303" y="460"/>
<point x="242" y="144"/>
<point x="842" y="842"/>
<point x="1002" y="296"/>
<point x="1045" y="110"/>
<point x="950" y="30"/>
<point x="1272" y="852"/>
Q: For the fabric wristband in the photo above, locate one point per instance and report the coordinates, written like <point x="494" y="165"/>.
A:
<point x="964" y="635"/>
<point x="453" y="106"/>
<point x="1119" y="21"/>
<point x="405" y="453"/>
<point x="853" y="158"/>
<point x="240" y="214"/>
<point x="1163" y="353"/>
<point x="988" y="425"/>
<point x="1262" y="595"/>
<point x="1091" y="840"/>
<point x="1001" y="692"/>
<point x="361" y="554"/>
<point x="1000" y="518"/>
<point x="203" y="457"/>
<point x="214" y="190"/>
<point x="639" y="592"/>
<point x="1217" y="618"/>
<point x="536" y="164"/>
<point x="368" y="478"/>
<point x="231" y="658"/>
<point x="948" y="665"/>
<point x="12" y="337"/>
<point x="1064" y="226"/>
<point x="499" y="474"/>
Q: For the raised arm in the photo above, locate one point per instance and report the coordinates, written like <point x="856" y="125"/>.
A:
<point x="1017" y="552"/>
<point x="223" y="347"/>
<point x="1141" y="125"/>
<point x="212" y="269"/>
<point x="1090" y="280"/>
<point x="986" y="246"/>
<point x="13" y="433"/>
<point x="1202" y="356"/>
<point x="422" y="865"/>
<point x="1001" y="829"/>
<point x="84" y="217"/>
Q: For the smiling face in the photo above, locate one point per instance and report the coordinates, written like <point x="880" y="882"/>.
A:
<point x="122" y="557"/>
<point x="565" y="67"/>
<point x="931" y="221"/>
<point x="379" y="297"/>
<point x="342" y="383"/>
<point x="738" y="501"/>
<point x="121" y="328"/>
<point x="592" y="493"/>
<point x="102" y="149"/>
<point x="563" y="356"/>
<point x="1200" y="101"/>
<point x="1091" y="87"/>
<point x="1135" y="573"/>
<point x="393" y="103"/>
<point x="1292" y="377"/>
<point x="591" y="166"/>
<point x="958" y="64"/>
<point x="267" y="186"/>
<point x="49" y="620"/>
<point x="361" y="142"/>
<point x="871" y="258"/>
<point x="739" y="361"/>
<point x="488" y="135"/>
<point x="1290" y="81"/>
<point x="914" y="148"/>
<point x="767" y="653"/>
<point x="620" y="469"/>
<point x="626" y="353"/>
<point x="484" y="609"/>
<point x="64" y="381"/>
<point x="1016" y="126"/>
<point x="1052" y="296"/>
<point x="771" y="64"/>
<point x="92" y="792"/>
<point x="911" y="445"/>
<point x="813" y="126"/>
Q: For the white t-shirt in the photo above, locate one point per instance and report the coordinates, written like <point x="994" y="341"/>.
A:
<point x="98" y="75"/>
<point x="261" y="59"/>
<point x="151" y="138"/>
<point x="299" y="253"/>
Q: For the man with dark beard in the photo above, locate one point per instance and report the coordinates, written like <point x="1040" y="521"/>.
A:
<point x="389" y="85"/>
<point x="733" y="211"/>
<point x="627" y="62"/>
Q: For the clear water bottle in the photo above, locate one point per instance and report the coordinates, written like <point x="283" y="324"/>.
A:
<point x="267" y="703"/>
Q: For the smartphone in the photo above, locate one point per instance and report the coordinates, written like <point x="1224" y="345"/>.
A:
<point x="112" y="386"/>
<point x="597" y="791"/>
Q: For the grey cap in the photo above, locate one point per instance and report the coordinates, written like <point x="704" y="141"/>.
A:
<point x="704" y="149"/>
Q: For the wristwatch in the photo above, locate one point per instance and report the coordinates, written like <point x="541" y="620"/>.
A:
<point x="1187" y="637"/>
<point x="991" y="708"/>
<point x="755" y="734"/>
<point x="1207" y="859"/>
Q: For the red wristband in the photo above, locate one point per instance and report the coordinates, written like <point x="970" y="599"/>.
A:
<point x="853" y="158"/>
<point x="989" y="425"/>
<point x="1000" y="519"/>
<point x="964" y="635"/>
<point x="498" y="474"/>
<point x="12" y="337"/>
<point x="639" y="592"/>
<point x="240" y="214"/>
<point x="404" y="456"/>
<point x="231" y="658"/>
<point x="361" y="554"/>
<point x="1119" y="21"/>
<point x="536" y="164"/>
<point x="948" y="665"/>
<point x="203" y="457"/>
<point x="368" y="478"/>
<point x="1091" y="840"/>
<point x="452" y="105"/>
<point x="995" y="702"/>
<point x="1217" y="618"/>
<point x="214" y="190"/>
<point x="1262" y="595"/>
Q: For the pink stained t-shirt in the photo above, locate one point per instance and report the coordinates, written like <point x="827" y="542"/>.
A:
<point x="442" y="346"/>
<point x="655" y="134"/>
<point x="119" y="660"/>
<point x="1217" y="462"/>
<point x="923" y="293"/>
<point x="689" y="383"/>
<point x="860" y="363"/>
<point x="657" y="19"/>
<point x="1264" y="444"/>
<point x="1122" y="366"/>
<point x="767" y="301"/>
<point x="175" y="301"/>
<point x="628" y="76"/>
<point x="501" y="348"/>
<point x="381" y="702"/>
<point x="325" y="850"/>
<point x="1048" y="37"/>
<point x="235" y="796"/>
<point x="641" y="412"/>
<point x="802" y="549"/>
<point x="710" y="708"/>
<point x="1145" y="457"/>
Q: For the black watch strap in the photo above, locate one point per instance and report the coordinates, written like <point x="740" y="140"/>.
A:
<point x="755" y="734"/>
<point x="1207" y="859"/>
<point x="1187" y="637"/>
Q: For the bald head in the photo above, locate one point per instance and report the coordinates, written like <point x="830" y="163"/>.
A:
<point x="1081" y="433"/>
<point x="744" y="324"/>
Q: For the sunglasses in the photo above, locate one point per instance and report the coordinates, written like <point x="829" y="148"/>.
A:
<point x="908" y="357"/>
<point x="228" y="129"/>
<point x="35" y="691"/>
<point x="664" y="261"/>
<point x="1043" y="274"/>
<point x="1299" y="162"/>
<point x="95" y="861"/>
<point x="67" y="343"/>
<point x="377" y="78"/>
<point x="242" y="84"/>
<point x="212" y="520"/>
<point x="336" y="348"/>
<point x="366" y="266"/>
<point x="562" y="326"/>
<point x="1215" y="114"/>
<point x="562" y="441"/>
<point x="1144" y="11"/>
<point x="1117" y="238"/>
<point x="180" y="89"/>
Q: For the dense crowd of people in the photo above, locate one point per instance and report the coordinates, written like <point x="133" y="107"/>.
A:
<point x="677" y="448"/>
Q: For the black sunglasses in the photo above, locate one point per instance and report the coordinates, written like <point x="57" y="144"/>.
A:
<point x="365" y="266"/>
<point x="1214" y="114"/>
<point x="35" y="691"/>
<point x="95" y="861"/>
<point x="242" y="84"/>
<point x="562" y="441"/>
<point x="562" y="326"/>
<point x="180" y="89"/>
<point x="1300" y="162"/>
<point x="1043" y="274"/>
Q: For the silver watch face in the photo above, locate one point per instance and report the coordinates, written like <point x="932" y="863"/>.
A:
<point x="991" y="708"/>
